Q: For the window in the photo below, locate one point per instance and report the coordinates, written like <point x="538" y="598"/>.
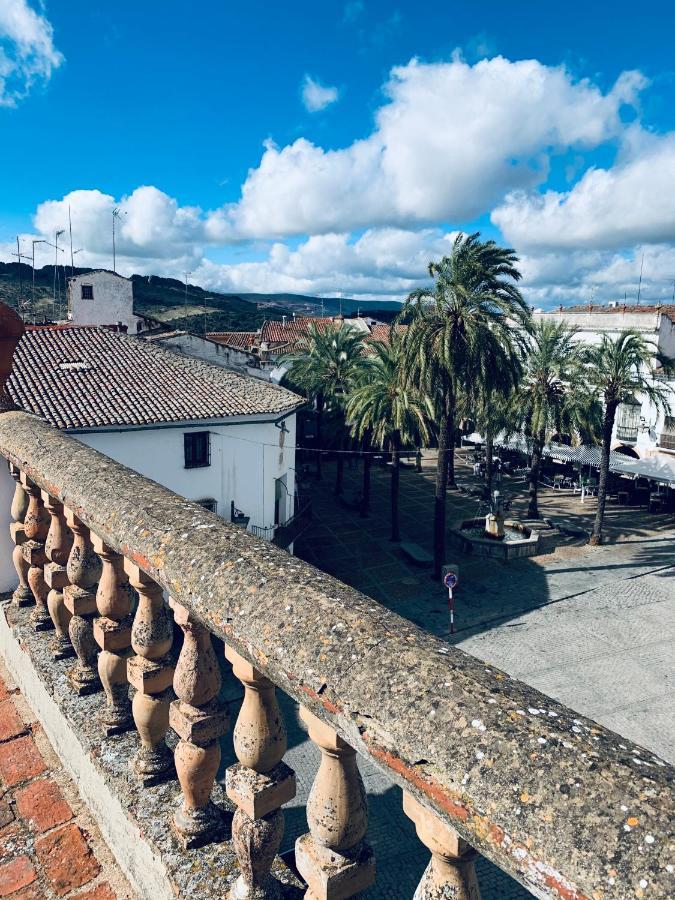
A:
<point x="87" y="291"/>
<point x="208" y="503"/>
<point x="197" y="449"/>
<point x="627" y="422"/>
<point x="667" y="436"/>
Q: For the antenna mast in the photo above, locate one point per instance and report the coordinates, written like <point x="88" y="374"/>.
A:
<point x="186" y="287"/>
<point x="640" y="281"/>
<point x="115" y="215"/>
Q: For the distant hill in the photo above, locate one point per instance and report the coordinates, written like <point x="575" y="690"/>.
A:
<point x="165" y="300"/>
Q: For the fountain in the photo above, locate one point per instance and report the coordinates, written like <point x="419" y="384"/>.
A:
<point x="498" y="537"/>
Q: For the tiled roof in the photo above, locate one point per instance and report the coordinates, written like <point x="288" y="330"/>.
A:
<point x="92" y="377"/>
<point x="240" y="340"/>
<point x="290" y="332"/>
<point x="380" y="332"/>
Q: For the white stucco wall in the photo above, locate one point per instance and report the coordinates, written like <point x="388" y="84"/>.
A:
<point x="245" y="461"/>
<point x="113" y="301"/>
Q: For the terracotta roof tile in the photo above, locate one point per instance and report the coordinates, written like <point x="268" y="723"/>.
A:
<point x="91" y="377"/>
<point x="239" y="340"/>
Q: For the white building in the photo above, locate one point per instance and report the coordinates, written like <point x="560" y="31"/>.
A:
<point x="103" y="298"/>
<point x="210" y="434"/>
<point x="641" y="430"/>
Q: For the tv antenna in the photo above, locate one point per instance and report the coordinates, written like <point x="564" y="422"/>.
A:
<point x="116" y="215"/>
<point x="640" y="281"/>
<point x="57" y="235"/>
<point x="19" y="256"/>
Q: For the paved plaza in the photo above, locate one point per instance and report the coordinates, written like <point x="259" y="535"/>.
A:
<point x="592" y="627"/>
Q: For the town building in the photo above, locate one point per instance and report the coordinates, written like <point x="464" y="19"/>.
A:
<point x="212" y="435"/>
<point x="641" y="430"/>
<point x="104" y="298"/>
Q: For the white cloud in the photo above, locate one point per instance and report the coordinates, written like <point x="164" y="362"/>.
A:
<point x="381" y="264"/>
<point x="450" y="142"/>
<point x="27" y="51"/>
<point x="317" y="96"/>
<point x="617" y="207"/>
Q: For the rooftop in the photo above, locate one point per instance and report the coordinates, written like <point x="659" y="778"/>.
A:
<point x="618" y="309"/>
<point x="91" y="377"/>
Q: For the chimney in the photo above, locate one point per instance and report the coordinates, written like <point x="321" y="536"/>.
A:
<point x="283" y="321"/>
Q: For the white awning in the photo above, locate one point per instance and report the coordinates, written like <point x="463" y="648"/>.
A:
<point x="657" y="468"/>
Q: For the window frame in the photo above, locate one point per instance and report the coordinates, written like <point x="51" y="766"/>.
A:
<point x="90" y="289"/>
<point x="191" y="458"/>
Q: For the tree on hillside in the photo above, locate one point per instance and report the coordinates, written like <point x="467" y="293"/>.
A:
<point x="621" y="370"/>
<point x="461" y="332"/>
<point x="553" y="397"/>
<point x="389" y="410"/>
<point x="326" y="366"/>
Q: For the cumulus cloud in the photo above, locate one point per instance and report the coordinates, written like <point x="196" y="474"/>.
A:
<point x="27" y="51"/>
<point x="381" y="264"/>
<point x="152" y="227"/>
<point x="451" y="141"/>
<point x="616" y="207"/>
<point x="317" y="96"/>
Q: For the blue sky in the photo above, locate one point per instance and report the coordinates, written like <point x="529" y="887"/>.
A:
<point x="335" y="148"/>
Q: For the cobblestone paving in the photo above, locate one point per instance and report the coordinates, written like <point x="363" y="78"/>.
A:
<point x="49" y="845"/>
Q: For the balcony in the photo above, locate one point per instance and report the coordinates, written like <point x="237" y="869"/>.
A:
<point x="627" y="434"/>
<point x="487" y="764"/>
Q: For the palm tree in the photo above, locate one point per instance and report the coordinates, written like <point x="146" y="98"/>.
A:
<point x="620" y="370"/>
<point x="493" y="414"/>
<point x="389" y="410"/>
<point x="461" y="333"/>
<point x="551" y="398"/>
<point x="326" y="365"/>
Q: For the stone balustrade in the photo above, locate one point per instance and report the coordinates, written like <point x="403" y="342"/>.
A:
<point x="487" y="764"/>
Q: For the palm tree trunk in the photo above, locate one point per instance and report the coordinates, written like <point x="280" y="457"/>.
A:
<point x="607" y="428"/>
<point x="340" y="468"/>
<point x="365" y="497"/>
<point x="319" y="435"/>
<point x="451" y="457"/>
<point x="533" y="508"/>
<point x="444" y="440"/>
<point x="489" y="437"/>
<point x="395" y="479"/>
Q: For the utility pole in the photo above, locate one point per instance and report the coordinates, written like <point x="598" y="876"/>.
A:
<point x="186" y="287"/>
<point x="56" y="265"/>
<point x="40" y="241"/>
<point x="70" y="229"/>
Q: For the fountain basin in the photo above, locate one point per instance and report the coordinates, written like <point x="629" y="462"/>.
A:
<point x="518" y="541"/>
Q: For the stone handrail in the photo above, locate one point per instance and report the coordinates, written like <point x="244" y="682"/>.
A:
<point x="565" y="806"/>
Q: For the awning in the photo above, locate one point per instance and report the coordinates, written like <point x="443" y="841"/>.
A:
<point x="659" y="468"/>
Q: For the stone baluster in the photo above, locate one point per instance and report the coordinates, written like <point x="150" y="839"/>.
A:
<point x="199" y="720"/>
<point x="150" y="671"/>
<point x="36" y="528"/>
<point x="22" y="596"/>
<point x="333" y="858"/>
<point x="451" y="872"/>
<point x="58" y="547"/>
<point x="84" y="571"/>
<point x="112" y="633"/>
<point x="259" y="784"/>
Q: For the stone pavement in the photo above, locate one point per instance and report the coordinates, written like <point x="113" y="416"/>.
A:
<point x="49" y="845"/>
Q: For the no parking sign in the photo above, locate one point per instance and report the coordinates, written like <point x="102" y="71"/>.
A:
<point x="451" y="580"/>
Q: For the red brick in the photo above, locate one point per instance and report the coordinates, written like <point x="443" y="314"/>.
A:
<point x="33" y="892"/>
<point x="19" y="760"/>
<point x="16" y="874"/>
<point x="11" y="725"/>
<point x="101" y="892"/>
<point x="41" y="803"/>
<point x="66" y="859"/>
